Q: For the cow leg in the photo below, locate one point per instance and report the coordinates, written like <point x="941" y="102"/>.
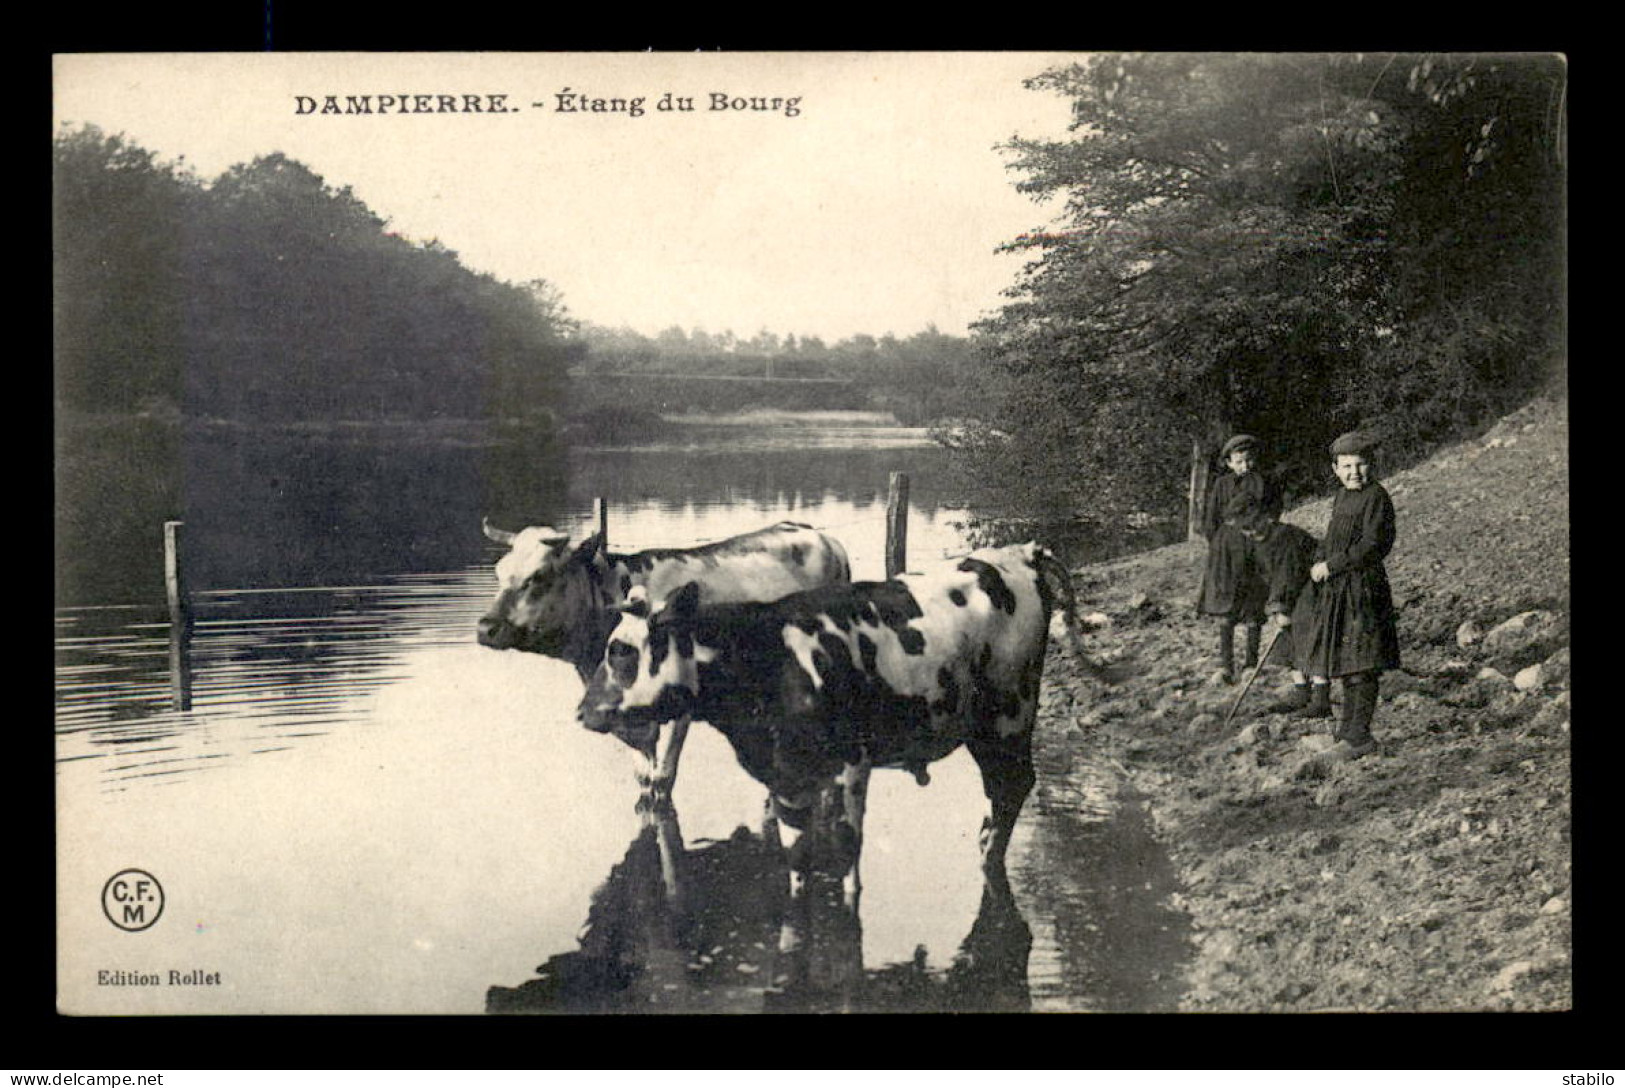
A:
<point x="669" y="740"/>
<point x="669" y="839"/>
<point x="854" y="798"/>
<point x="794" y="820"/>
<point x="1006" y="763"/>
<point x="654" y="761"/>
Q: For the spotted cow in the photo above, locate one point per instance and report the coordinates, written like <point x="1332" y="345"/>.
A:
<point x="557" y="601"/>
<point x="824" y="685"/>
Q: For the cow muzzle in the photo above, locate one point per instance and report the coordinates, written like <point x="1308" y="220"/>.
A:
<point x="597" y="717"/>
<point x="497" y="633"/>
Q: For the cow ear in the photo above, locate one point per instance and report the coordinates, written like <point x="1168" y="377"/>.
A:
<point x="637" y="603"/>
<point x="590" y="548"/>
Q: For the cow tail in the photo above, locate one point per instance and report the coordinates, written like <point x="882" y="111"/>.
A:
<point x="1058" y="579"/>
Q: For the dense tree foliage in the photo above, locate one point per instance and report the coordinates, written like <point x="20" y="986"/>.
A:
<point x="1290" y="245"/>
<point x="268" y="294"/>
<point x="916" y="378"/>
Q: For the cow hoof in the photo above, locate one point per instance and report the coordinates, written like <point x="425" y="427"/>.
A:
<point x="650" y="804"/>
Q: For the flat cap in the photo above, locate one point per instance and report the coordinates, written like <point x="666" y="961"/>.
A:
<point x="1353" y="442"/>
<point x="1239" y="442"/>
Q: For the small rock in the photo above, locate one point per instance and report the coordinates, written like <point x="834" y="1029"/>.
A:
<point x="1522" y="635"/>
<point x="1550" y="718"/>
<point x="1555" y="905"/>
<point x="1316" y="742"/>
<point x="1203" y="722"/>
<point x="1530" y="679"/>
<point x="1253" y="734"/>
<point x="1495" y="676"/>
<point x="1509" y="975"/>
<point x="1468" y="634"/>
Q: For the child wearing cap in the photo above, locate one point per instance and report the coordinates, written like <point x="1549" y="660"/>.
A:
<point x="1240" y="509"/>
<point x="1353" y="634"/>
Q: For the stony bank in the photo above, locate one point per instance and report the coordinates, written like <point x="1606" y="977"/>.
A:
<point x="1432" y="875"/>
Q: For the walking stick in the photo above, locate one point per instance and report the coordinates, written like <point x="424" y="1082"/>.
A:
<point x="1263" y="657"/>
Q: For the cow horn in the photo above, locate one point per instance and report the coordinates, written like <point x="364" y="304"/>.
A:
<point x="501" y="536"/>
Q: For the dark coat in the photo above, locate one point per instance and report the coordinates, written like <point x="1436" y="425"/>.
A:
<point x="1352" y="625"/>
<point x="1238" y="512"/>
<point x="1288" y="553"/>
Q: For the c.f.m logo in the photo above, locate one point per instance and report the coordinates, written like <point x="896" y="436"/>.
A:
<point x="132" y="899"/>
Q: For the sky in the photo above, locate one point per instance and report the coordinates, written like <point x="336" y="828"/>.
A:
<point x="873" y="203"/>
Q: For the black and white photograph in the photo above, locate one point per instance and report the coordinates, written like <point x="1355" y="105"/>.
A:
<point x="811" y="532"/>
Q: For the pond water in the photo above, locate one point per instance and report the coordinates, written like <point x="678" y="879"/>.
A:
<point x="365" y="811"/>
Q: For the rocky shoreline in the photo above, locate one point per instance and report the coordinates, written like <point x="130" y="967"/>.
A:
<point x="1432" y="875"/>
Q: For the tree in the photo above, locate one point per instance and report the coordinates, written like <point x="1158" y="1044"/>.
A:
<point x="118" y="220"/>
<point x="1245" y="243"/>
<point x="270" y="294"/>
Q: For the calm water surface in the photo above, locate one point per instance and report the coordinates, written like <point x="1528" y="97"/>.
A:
<point x="366" y="811"/>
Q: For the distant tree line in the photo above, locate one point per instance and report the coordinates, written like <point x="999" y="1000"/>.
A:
<point x="1287" y="245"/>
<point x="915" y="377"/>
<point x="267" y="294"/>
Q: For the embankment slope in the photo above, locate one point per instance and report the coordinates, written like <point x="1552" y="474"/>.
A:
<point x="1433" y="875"/>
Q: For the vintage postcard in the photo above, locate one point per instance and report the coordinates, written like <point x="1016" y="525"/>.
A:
<point x="448" y="443"/>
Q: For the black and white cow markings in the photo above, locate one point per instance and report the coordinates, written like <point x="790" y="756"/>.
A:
<point x="826" y="684"/>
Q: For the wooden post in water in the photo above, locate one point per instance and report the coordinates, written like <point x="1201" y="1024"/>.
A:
<point x="180" y="619"/>
<point x="897" y="525"/>
<point x="600" y="514"/>
<point x="1198" y="493"/>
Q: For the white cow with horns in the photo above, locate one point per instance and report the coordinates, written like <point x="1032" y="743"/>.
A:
<point x="558" y="602"/>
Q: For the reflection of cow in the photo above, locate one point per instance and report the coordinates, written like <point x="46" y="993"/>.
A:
<point x="829" y="683"/>
<point x="688" y="930"/>
<point x="556" y="602"/>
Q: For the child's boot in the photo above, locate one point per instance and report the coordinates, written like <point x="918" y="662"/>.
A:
<point x="1319" y="704"/>
<point x="1250" y="660"/>
<point x="1227" y="649"/>
<point x="1353" y="734"/>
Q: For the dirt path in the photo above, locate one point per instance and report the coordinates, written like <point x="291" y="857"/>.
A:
<point x="1433" y="875"/>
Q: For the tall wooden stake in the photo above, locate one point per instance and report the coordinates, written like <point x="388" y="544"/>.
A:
<point x="600" y="511"/>
<point x="1198" y="492"/>
<point x="897" y="525"/>
<point x="180" y="619"/>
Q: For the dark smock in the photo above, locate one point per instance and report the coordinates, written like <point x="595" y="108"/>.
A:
<point x="1352" y="626"/>
<point x="1288" y="553"/>
<point x="1239" y="512"/>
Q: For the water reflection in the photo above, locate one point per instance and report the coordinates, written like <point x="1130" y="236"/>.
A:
<point x="681" y="930"/>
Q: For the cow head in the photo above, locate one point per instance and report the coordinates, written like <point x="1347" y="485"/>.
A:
<point x="650" y="671"/>
<point x="551" y="599"/>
